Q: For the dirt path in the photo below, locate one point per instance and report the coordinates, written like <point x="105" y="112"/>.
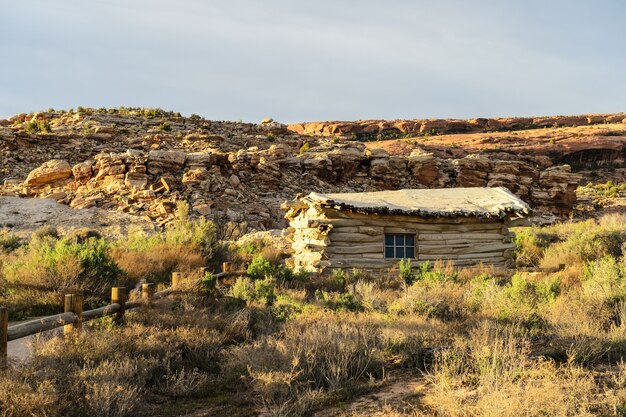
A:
<point x="399" y="392"/>
<point x="20" y="349"/>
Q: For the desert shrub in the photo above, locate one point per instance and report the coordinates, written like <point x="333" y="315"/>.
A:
<point x="61" y="265"/>
<point x="431" y="298"/>
<point x="259" y="268"/>
<point x="286" y="308"/>
<point x="523" y="291"/>
<point x="603" y="279"/>
<point x="38" y="126"/>
<point x="307" y="355"/>
<point x="529" y="246"/>
<point x="339" y="278"/>
<point x="9" y="241"/>
<point x="185" y="382"/>
<point x="339" y="300"/>
<point x="584" y="241"/>
<point x="243" y="288"/>
<point x="110" y="371"/>
<point x="184" y="246"/>
<point x="437" y="272"/>
<point x="262" y="290"/>
<point x="406" y="271"/>
<point x="306" y="146"/>
<point x="365" y="292"/>
<point x="265" y="290"/>
<point x="287" y="275"/>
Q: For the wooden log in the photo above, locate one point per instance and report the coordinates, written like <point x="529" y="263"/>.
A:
<point x="164" y="293"/>
<point x="403" y="230"/>
<point x="422" y="226"/>
<point x="4" y="336"/>
<point x="18" y="331"/>
<point x="477" y="256"/>
<point x="118" y="296"/>
<point x="452" y="242"/>
<point x="365" y="248"/>
<point x="101" y="312"/>
<point x="354" y="238"/>
<point x="464" y="249"/>
<point x="147" y="291"/>
<point x="466" y="236"/>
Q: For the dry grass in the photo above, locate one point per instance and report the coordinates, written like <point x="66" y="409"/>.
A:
<point x="486" y="343"/>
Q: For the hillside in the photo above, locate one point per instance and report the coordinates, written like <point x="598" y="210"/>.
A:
<point x="144" y="161"/>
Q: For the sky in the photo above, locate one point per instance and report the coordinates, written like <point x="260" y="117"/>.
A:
<point x="296" y="60"/>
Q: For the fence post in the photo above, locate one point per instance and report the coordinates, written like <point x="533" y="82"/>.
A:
<point x="118" y="296"/>
<point x="147" y="291"/>
<point x="4" y="333"/>
<point x="77" y="300"/>
<point x="177" y="277"/>
<point x="74" y="304"/>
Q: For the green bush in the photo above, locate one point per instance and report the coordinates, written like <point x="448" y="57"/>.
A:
<point x="62" y="264"/>
<point x="339" y="301"/>
<point x="165" y="126"/>
<point x="339" y="277"/>
<point x="285" y="308"/>
<point x="243" y="288"/>
<point x="604" y="279"/>
<point x="263" y="290"/>
<point x="406" y="271"/>
<point x="259" y="268"/>
<point x="304" y="148"/>
<point x="38" y="126"/>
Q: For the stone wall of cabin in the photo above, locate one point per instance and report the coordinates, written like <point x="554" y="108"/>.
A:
<point x="328" y="238"/>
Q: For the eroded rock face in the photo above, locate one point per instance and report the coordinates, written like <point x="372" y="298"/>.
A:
<point x="383" y="128"/>
<point x="49" y="172"/>
<point x="236" y="172"/>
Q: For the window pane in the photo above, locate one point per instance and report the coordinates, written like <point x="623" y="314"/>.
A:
<point x="410" y="252"/>
<point x="400" y="252"/>
<point x="388" y="251"/>
<point x="389" y="240"/>
<point x="410" y="240"/>
<point x="399" y="240"/>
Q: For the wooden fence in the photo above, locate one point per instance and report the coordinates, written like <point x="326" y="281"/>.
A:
<point x="73" y="316"/>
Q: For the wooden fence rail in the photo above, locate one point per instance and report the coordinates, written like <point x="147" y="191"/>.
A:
<point x="74" y="316"/>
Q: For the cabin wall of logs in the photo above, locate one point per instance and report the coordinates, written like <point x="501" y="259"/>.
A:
<point x="327" y="238"/>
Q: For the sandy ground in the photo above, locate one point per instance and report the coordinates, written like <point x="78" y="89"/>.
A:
<point x="20" y="349"/>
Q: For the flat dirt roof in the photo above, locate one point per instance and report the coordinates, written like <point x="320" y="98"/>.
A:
<point x="441" y="202"/>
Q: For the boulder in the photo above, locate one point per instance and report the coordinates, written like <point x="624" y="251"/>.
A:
<point x="82" y="172"/>
<point x="165" y="161"/>
<point x="49" y="172"/>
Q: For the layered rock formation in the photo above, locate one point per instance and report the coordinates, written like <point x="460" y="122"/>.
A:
<point x="385" y="129"/>
<point x="143" y="164"/>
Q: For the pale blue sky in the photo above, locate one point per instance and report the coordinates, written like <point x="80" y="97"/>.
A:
<point x="315" y="60"/>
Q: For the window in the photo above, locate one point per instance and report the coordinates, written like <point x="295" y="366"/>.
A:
<point x="399" y="246"/>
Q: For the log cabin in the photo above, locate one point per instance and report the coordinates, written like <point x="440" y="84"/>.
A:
<point x="375" y="230"/>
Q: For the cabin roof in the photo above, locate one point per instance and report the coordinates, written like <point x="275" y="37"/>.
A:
<point x="483" y="202"/>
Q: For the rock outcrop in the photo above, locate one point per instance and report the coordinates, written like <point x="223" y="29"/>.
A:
<point x="239" y="174"/>
<point x="385" y="129"/>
